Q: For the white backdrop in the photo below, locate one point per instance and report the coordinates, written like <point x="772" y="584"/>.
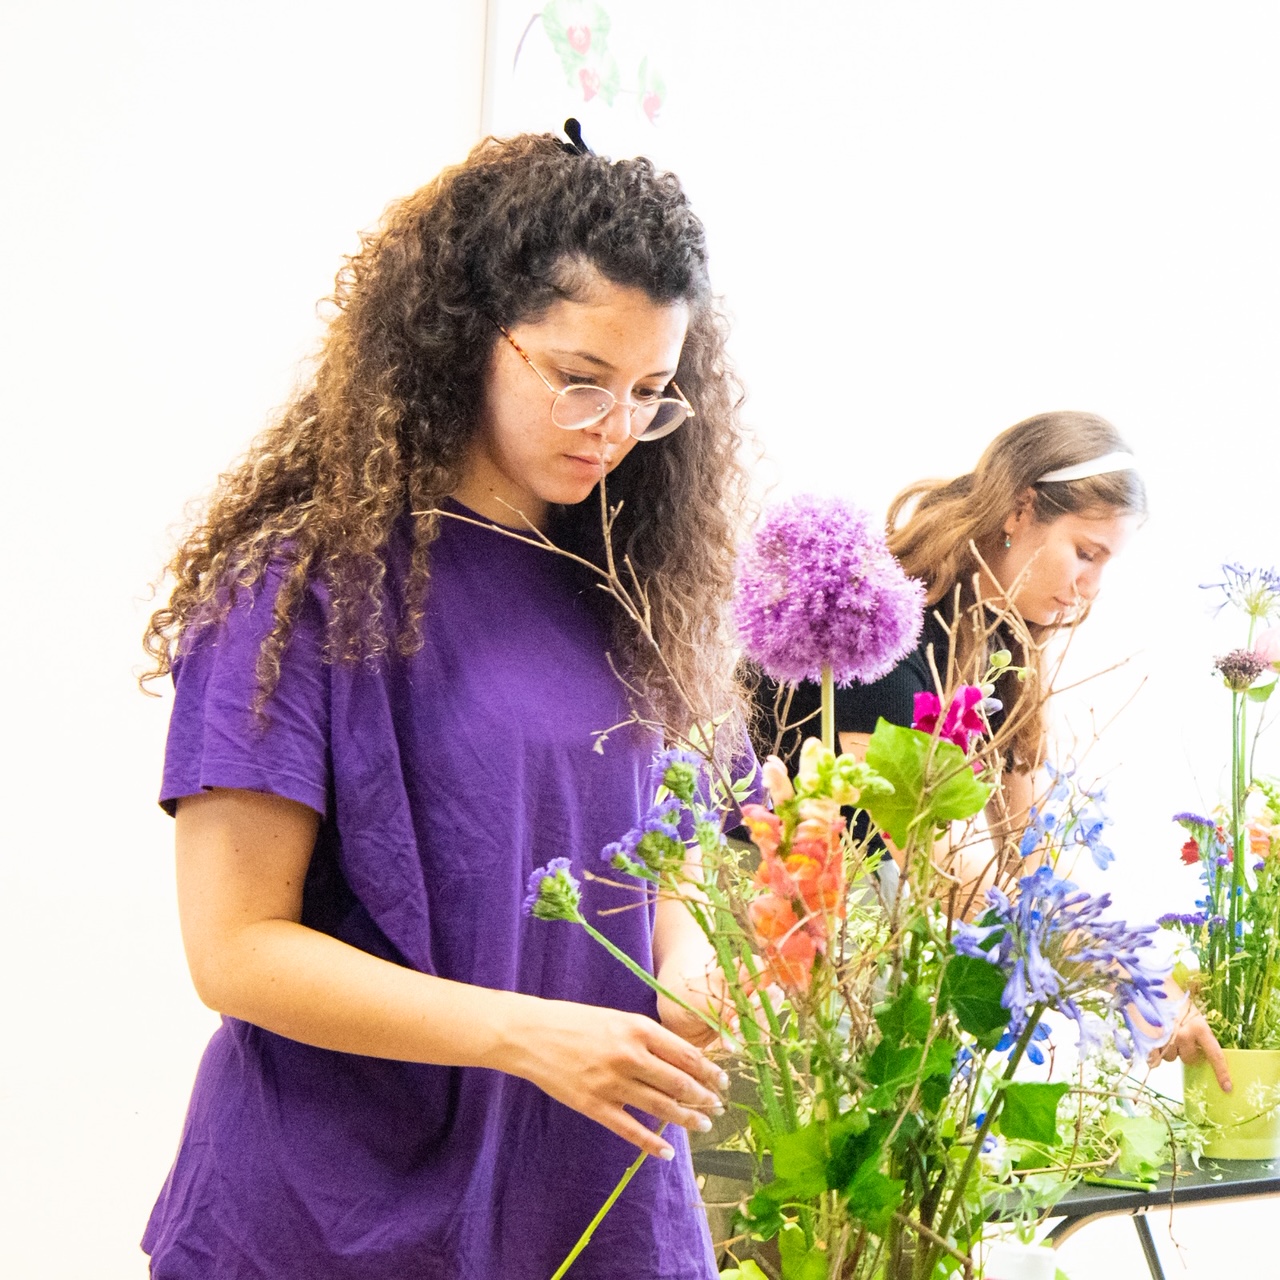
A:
<point x="928" y="221"/>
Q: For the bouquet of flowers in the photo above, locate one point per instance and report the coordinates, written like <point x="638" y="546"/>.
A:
<point x="1231" y="963"/>
<point x="881" y="1032"/>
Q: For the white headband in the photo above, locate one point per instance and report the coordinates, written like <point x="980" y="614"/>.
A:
<point x="1118" y="461"/>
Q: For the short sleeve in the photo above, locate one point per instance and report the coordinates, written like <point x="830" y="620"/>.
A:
<point x="217" y="739"/>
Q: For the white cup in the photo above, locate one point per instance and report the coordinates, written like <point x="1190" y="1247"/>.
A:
<point x="1010" y="1261"/>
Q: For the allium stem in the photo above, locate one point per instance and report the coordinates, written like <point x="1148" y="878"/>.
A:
<point x="828" y="707"/>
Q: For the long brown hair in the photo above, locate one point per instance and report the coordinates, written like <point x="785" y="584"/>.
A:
<point x="935" y="525"/>
<point x="383" y="427"/>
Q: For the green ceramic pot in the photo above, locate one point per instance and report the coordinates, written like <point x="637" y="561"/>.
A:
<point x="1250" y="1113"/>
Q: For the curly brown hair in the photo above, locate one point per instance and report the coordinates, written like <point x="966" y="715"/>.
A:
<point x="381" y="432"/>
<point x="935" y="525"/>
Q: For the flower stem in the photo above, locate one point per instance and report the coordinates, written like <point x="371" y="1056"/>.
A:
<point x="828" y="708"/>
<point x="585" y="1238"/>
<point x="646" y="977"/>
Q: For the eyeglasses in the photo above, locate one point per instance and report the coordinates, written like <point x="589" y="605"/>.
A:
<point x="578" y="405"/>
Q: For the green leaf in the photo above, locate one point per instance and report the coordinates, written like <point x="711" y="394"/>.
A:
<point x="1030" y="1111"/>
<point x="748" y="1271"/>
<point x="1144" y="1144"/>
<point x="800" y="1162"/>
<point x="741" y="787"/>
<point x="973" y="989"/>
<point x="906" y="1020"/>
<point x="924" y="793"/>
<point x="799" y="1262"/>
<point x="1261" y="692"/>
<point x="873" y="1197"/>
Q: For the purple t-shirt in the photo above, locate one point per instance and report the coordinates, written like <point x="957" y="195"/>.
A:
<point x="442" y="780"/>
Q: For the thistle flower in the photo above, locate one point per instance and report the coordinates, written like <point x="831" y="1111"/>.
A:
<point x="1058" y="950"/>
<point x="1240" y="668"/>
<point x="554" y="894"/>
<point x="817" y="587"/>
<point x="1254" y="591"/>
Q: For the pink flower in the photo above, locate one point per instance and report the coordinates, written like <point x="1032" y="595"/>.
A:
<point x="963" y="722"/>
<point x="1267" y="647"/>
<point x="773" y="773"/>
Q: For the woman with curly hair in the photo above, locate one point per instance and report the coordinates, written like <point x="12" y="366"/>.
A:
<point x="387" y="713"/>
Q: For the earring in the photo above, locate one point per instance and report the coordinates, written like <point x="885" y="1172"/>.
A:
<point x="1008" y="542"/>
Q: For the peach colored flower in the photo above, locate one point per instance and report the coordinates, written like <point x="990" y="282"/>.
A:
<point x="1261" y="838"/>
<point x="765" y="829"/>
<point x="773" y="773"/>
<point x="771" y="917"/>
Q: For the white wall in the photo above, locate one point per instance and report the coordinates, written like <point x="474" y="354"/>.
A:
<point x="181" y="181"/>
<point x="928" y="219"/>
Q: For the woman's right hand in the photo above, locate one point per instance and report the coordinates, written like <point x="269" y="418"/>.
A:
<point x="603" y="1061"/>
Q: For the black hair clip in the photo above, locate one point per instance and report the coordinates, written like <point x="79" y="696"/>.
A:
<point x="575" y="146"/>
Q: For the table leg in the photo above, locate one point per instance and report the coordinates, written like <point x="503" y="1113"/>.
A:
<point x="1148" y="1246"/>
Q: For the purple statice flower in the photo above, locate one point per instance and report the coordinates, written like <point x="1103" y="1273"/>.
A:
<point x="554" y="894"/>
<point x="817" y="587"/>
<point x="679" y="771"/>
<point x="1254" y="591"/>
<point x="1191" y="921"/>
<point x="1059" y="951"/>
<point x="652" y="846"/>
<point x="1190" y="820"/>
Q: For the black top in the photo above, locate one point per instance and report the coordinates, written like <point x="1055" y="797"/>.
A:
<point x="859" y="706"/>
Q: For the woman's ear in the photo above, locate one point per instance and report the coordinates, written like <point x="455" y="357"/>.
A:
<point x="1023" y="512"/>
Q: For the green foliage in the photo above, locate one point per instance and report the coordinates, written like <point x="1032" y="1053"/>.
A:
<point x="748" y="1271"/>
<point x="800" y="1260"/>
<point x="973" y="990"/>
<point x="1144" y="1144"/>
<point x="1030" y="1111"/>
<point x="932" y="782"/>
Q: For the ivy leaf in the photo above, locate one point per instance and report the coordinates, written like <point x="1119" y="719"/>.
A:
<point x="937" y="791"/>
<point x="1030" y="1111"/>
<point x="799" y="1261"/>
<point x="1144" y="1144"/>
<point x="973" y="989"/>
<point x="748" y="1271"/>
<point x="873" y="1197"/>
<point x="906" y="1020"/>
<point x="800" y="1162"/>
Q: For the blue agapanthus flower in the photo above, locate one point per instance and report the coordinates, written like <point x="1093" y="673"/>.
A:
<point x="1255" y="592"/>
<point x="1059" y="952"/>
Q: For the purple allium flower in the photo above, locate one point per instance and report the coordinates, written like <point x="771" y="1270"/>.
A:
<point x="818" y="587"/>
<point x="554" y="894"/>
<point x="1058" y="951"/>
<point x="1240" y="668"/>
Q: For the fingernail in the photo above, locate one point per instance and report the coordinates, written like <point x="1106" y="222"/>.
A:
<point x="703" y="1124"/>
<point x="667" y="1153"/>
<point x="718" y="1109"/>
<point x="723" y="1080"/>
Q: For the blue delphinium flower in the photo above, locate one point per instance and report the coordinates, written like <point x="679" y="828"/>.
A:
<point x="1058" y="950"/>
